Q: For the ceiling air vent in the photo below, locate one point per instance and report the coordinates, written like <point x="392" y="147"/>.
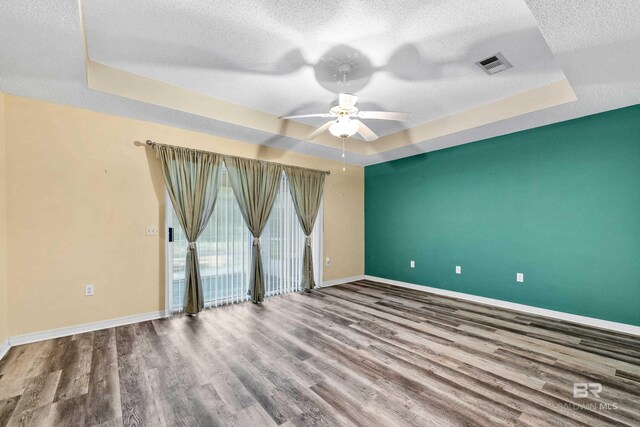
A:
<point x="494" y="64"/>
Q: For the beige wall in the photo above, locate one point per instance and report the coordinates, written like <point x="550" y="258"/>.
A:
<point x="80" y="194"/>
<point x="4" y="317"/>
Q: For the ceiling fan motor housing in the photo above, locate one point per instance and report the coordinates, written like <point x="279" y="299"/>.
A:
<point x="339" y="111"/>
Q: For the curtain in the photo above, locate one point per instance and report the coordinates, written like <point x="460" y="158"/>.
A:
<point x="225" y="246"/>
<point x="192" y="179"/>
<point x="306" y="187"/>
<point x="255" y="185"/>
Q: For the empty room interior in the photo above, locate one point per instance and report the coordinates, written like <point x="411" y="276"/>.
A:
<point x="297" y="213"/>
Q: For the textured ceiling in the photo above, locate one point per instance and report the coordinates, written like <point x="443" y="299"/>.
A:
<point x="276" y="57"/>
<point x="269" y="56"/>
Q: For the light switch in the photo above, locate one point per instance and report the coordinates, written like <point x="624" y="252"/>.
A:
<point x="413" y="264"/>
<point x="152" y="230"/>
<point x="519" y="277"/>
<point x="458" y="269"/>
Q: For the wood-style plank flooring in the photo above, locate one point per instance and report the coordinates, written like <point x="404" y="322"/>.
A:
<point x="361" y="354"/>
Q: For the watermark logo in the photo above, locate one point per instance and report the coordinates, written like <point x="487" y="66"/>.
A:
<point x="589" y="391"/>
<point x="582" y="390"/>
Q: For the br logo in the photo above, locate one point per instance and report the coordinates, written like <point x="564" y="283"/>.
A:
<point x="582" y="390"/>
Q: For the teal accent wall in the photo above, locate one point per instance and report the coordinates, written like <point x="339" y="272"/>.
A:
<point x="559" y="203"/>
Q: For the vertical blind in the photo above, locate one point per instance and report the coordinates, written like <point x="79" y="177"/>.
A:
<point x="224" y="250"/>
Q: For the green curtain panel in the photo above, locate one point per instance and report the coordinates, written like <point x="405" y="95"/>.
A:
<point x="192" y="179"/>
<point x="255" y="185"/>
<point x="306" y="188"/>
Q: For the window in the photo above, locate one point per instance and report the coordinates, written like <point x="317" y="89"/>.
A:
<point x="224" y="251"/>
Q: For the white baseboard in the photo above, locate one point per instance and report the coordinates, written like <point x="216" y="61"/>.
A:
<point x="584" y="320"/>
<point x="104" y="324"/>
<point x="341" y="281"/>
<point x="111" y="323"/>
<point x="86" y="327"/>
<point x="4" y="347"/>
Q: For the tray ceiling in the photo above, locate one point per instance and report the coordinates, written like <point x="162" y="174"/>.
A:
<point x="280" y="57"/>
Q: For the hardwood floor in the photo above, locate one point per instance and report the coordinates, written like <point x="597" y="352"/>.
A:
<point x="358" y="354"/>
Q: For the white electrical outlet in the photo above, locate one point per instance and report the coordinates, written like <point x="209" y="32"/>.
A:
<point x="458" y="269"/>
<point x="519" y="277"/>
<point x="152" y="230"/>
<point x="327" y="261"/>
<point x="413" y="264"/>
<point x="88" y="290"/>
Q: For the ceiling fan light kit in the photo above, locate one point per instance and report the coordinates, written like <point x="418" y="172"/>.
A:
<point x="344" y="127"/>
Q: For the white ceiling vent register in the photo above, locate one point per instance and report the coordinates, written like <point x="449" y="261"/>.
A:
<point x="494" y="64"/>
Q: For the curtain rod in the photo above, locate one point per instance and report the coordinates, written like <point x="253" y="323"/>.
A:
<point x="151" y="143"/>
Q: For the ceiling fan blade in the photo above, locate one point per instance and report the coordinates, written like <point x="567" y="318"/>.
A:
<point x="366" y="133"/>
<point x="347" y="101"/>
<point x="383" y="115"/>
<point x="321" y="129"/>
<point x="301" y="116"/>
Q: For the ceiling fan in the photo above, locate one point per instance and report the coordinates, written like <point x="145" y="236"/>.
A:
<point x="347" y="117"/>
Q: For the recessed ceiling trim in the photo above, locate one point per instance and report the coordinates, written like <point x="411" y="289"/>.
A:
<point x="546" y="96"/>
<point x="123" y="83"/>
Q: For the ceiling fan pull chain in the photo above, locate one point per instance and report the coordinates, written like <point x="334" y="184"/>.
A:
<point x="344" y="165"/>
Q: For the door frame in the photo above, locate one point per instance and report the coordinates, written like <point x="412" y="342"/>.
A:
<point x="168" y="276"/>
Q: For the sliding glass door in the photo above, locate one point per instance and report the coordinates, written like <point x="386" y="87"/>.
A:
<point x="225" y="249"/>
